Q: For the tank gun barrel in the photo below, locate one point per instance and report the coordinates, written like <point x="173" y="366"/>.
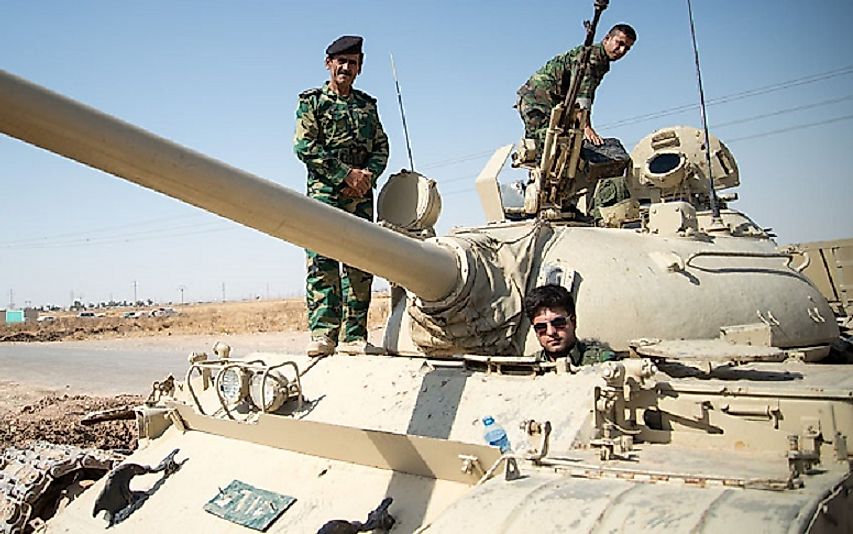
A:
<point x="59" y="124"/>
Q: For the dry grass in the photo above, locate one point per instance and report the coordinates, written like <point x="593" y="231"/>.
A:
<point x="211" y="318"/>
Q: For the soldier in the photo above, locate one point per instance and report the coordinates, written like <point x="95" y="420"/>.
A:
<point x="548" y="86"/>
<point x="551" y="311"/>
<point x="341" y="141"/>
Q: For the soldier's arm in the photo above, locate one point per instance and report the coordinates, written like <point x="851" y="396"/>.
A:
<point x="307" y="144"/>
<point x="378" y="159"/>
<point x="589" y="83"/>
<point x="586" y="93"/>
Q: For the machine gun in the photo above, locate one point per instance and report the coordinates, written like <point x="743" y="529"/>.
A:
<point x="564" y="138"/>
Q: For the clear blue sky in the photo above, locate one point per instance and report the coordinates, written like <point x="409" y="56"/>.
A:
<point x="222" y="77"/>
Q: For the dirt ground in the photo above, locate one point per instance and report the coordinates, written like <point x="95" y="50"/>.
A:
<point x="247" y="317"/>
<point x="29" y="413"/>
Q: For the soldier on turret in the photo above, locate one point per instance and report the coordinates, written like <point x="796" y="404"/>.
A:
<point x="548" y="86"/>
<point x="341" y="141"/>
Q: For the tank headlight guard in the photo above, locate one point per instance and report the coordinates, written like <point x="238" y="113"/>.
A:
<point x="232" y="384"/>
<point x="268" y="391"/>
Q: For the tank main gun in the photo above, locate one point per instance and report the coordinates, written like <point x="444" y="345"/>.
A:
<point x="61" y="125"/>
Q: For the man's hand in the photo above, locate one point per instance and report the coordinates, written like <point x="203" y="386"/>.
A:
<point x="349" y="192"/>
<point x="357" y="183"/>
<point x="590" y="135"/>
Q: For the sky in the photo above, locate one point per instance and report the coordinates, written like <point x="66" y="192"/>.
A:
<point x="223" y="77"/>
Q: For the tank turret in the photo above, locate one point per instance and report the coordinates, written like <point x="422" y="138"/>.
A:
<point x="665" y="278"/>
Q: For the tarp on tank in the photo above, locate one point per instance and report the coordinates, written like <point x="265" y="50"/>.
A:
<point x="484" y="317"/>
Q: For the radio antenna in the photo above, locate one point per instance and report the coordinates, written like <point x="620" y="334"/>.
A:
<point x="715" y="209"/>
<point x="402" y="114"/>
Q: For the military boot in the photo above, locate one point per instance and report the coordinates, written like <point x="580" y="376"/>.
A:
<point x="359" y="347"/>
<point x="320" y="346"/>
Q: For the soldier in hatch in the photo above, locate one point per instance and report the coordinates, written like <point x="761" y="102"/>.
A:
<point x="551" y="311"/>
<point x="341" y="141"/>
<point x="548" y="86"/>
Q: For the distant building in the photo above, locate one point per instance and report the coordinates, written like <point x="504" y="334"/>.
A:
<point x="21" y="316"/>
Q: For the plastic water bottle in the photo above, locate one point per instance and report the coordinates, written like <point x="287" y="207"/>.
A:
<point x="494" y="434"/>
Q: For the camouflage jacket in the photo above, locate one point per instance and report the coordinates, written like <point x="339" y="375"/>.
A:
<point x="335" y="134"/>
<point x="584" y="354"/>
<point x="550" y="84"/>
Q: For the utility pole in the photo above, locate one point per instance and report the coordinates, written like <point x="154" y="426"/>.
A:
<point x="11" y="299"/>
<point x="181" y="288"/>
<point x="135" y="300"/>
<point x="223" y="291"/>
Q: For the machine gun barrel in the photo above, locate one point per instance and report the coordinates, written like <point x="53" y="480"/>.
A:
<point x="59" y="124"/>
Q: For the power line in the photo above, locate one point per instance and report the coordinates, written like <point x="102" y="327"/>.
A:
<point x="796" y="82"/>
<point x="458" y="159"/>
<point x="777" y="113"/>
<point x="115" y="239"/>
<point x="95" y="231"/>
<point x="792" y="128"/>
<point x="84" y="238"/>
<point x="783" y="111"/>
<point x="445" y="181"/>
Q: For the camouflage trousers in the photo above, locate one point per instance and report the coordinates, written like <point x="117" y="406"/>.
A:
<point x="337" y="296"/>
<point x="535" y="111"/>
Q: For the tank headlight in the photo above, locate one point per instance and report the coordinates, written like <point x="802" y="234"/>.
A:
<point x="274" y="391"/>
<point x="232" y="385"/>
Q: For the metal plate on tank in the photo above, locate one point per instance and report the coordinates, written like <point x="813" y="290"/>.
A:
<point x="713" y="350"/>
<point x="248" y="506"/>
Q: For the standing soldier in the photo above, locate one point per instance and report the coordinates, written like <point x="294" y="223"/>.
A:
<point x="342" y="143"/>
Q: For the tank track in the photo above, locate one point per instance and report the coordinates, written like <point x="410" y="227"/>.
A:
<point x="36" y="479"/>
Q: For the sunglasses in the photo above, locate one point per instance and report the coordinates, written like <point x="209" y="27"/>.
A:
<point x="556" y="322"/>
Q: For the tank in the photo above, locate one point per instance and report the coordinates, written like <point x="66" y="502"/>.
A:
<point x="730" y="410"/>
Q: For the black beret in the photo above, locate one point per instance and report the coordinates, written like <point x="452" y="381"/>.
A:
<point x="348" y="44"/>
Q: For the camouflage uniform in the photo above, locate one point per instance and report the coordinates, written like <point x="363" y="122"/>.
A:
<point x="333" y="135"/>
<point x="584" y="354"/>
<point x="548" y="87"/>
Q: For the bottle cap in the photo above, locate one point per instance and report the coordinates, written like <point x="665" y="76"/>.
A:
<point x="488" y="420"/>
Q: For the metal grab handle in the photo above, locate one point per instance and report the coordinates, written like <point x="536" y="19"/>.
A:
<point x="801" y="267"/>
<point x="743" y="411"/>
<point x="731" y="254"/>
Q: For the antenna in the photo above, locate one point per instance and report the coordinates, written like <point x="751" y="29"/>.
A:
<point x="715" y="209"/>
<point x="402" y="114"/>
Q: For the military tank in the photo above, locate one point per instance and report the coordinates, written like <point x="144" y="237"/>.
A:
<point x="725" y="414"/>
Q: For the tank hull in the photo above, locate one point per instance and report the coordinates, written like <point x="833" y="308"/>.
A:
<point x="437" y="411"/>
